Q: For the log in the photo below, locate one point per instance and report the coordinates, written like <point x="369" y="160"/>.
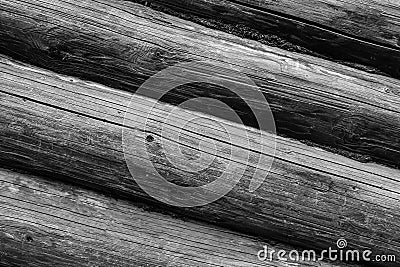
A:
<point x="361" y="32"/>
<point x="69" y="129"/>
<point x="121" y="44"/>
<point x="48" y="223"/>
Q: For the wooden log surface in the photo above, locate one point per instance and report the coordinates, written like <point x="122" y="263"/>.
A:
<point x="48" y="223"/>
<point x="121" y="44"/>
<point x="362" y="31"/>
<point x="72" y="130"/>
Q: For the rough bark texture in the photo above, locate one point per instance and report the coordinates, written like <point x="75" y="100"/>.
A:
<point x="120" y="44"/>
<point x="47" y="223"/>
<point x="362" y="32"/>
<point x="69" y="129"/>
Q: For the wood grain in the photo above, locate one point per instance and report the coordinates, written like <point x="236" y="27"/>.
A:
<point x="47" y="223"/>
<point x="68" y="129"/>
<point x="121" y="44"/>
<point x="362" y="32"/>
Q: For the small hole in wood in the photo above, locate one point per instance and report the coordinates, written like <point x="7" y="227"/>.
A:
<point x="28" y="238"/>
<point x="149" y="138"/>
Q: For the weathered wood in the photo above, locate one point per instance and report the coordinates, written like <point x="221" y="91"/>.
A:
<point x="46" y="223"/>
<point x="120" y="44"/>
<point x="72" y="130"/>
<point x="362" y="32"/>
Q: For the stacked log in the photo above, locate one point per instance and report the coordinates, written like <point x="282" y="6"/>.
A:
<point x="48" y="223"/>
<point x="70" y="75"/>
<point x="361" y="33"/>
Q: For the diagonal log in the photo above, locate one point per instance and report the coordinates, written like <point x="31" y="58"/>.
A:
<point x="361" y="32"/>
<point x="48" y="223"/>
